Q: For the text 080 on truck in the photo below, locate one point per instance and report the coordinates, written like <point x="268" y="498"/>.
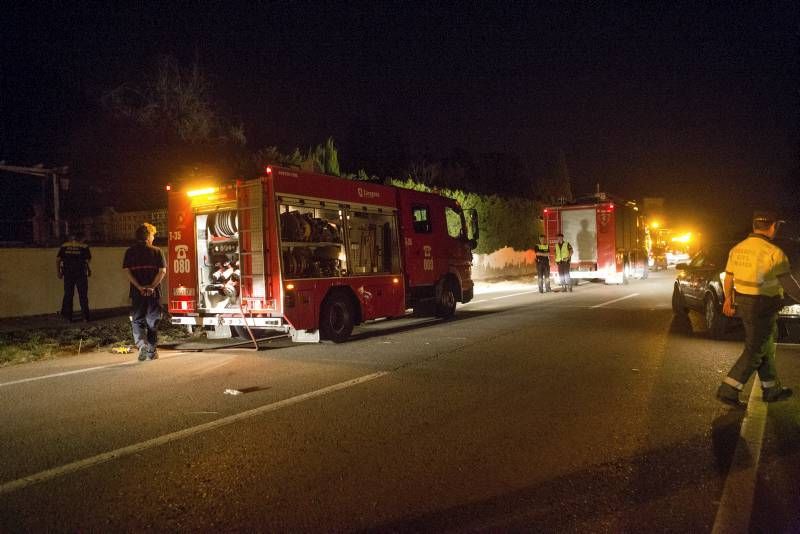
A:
<point x="313" y="255"/>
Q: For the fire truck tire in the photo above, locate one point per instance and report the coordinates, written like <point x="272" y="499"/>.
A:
<point x="336" y="319"/>
<point x="446" y="303"/>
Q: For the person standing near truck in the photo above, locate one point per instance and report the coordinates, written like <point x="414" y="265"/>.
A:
<point x="72" y="264"/>
<point x="563" y="253"/>
<point x="145" y="266"/>
<point x="543" y="264"/>
<point x="754" y="293"/>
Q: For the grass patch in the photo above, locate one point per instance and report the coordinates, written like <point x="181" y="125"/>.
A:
<point x="30" y="345"/>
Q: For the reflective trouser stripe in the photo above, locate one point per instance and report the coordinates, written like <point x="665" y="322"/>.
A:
<point x="734" y="383"/>
<point x="769" y="384"/>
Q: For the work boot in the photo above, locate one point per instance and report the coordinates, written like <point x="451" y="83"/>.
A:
<point x="776" y="393"/>
<point x="730" y="395"/>
<point x="143" y="352"/>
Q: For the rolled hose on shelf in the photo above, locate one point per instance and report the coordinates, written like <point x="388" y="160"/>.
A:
<point x="224" y="223"/>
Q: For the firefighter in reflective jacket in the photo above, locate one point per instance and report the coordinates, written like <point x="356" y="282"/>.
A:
<point x="72" y="264"/>
<point x="543" y="264"/>
<point x="754" y="293"/>
<point x="563" y="258"/>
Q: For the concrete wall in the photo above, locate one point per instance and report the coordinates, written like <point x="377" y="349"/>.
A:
<point x="503" y="262"/>
<point x="29" y="284"/>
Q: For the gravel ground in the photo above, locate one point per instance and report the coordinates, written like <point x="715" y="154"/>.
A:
<point x="45" y="337"/>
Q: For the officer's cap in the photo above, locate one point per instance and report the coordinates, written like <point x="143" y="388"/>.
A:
<point x="765" y="217"/>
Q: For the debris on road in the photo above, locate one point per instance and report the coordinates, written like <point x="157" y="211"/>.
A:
<point x="232" y="392"/>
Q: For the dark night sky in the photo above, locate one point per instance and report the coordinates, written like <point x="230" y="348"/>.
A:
<point x="696" y="102"/>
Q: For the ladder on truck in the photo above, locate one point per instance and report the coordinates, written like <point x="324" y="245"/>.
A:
<point x="253" y="287"/>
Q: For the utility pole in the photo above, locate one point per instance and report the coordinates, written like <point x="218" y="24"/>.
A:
<point x="56" y="173"/>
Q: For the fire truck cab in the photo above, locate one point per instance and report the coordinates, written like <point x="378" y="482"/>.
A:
<point x="313" y="255"/>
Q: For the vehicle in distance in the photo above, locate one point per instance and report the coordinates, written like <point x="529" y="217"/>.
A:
<point x="698" y="286"/>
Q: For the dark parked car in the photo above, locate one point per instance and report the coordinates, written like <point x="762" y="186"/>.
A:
<point x="698" y="286"/>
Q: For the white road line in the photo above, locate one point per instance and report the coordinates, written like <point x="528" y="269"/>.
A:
<point x="613" y="301"/>
<point x="67" y="373"/>
<point x="514" y="295"/>
<point x="86" y="463"/>
<point x="736" y="504"/>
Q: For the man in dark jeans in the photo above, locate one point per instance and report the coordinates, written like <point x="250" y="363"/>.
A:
<point x="72" y="262"/>
<point x="145" y="266"/>
<point x="543" y="264"/>
<point x="754" y="293"/>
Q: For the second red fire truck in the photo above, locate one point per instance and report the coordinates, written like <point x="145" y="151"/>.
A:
<point x="607" y="237"/>
<point x="314" y="255"/>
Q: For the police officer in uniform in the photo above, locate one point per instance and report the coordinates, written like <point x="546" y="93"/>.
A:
<point x="543" y="264"/>
<point x="72" y="262"/>
<point x="754" y="293"/>
<point x="563" y="253"/>
<point x="145" y="266"/>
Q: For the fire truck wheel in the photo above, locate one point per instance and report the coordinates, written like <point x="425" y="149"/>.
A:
<point x="336" y="318"/>
<point x="446" y="305"/>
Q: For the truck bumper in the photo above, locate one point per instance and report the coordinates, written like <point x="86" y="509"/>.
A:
<point x="276" y="323"/>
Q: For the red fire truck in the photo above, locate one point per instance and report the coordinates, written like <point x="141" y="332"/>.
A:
<point x="607" y="237"/>
<point x="313" y="255"/>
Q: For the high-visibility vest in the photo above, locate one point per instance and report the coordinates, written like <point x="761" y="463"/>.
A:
<point x="562" y="252"/>
<point x="542" y="248"/>
<point x="756" y="264"/>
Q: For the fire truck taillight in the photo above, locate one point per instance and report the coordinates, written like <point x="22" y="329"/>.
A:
<point x="182" y="305"/>
<point x="395" y="280"/>
<point x="168" y="187"/>
<point x="269" y="170"/>
<point x="289" y="287"/>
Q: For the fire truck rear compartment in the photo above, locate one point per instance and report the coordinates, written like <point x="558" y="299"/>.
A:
<point x="218" y="259"/>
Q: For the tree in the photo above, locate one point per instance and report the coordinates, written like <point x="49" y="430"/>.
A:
<point x="177" y="102"/>
<point x="324" y="158"/>
<point x="563" y="185"/>
<point x="151" y="131"/>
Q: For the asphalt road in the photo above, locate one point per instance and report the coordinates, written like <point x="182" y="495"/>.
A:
<point x="584" y="412"/>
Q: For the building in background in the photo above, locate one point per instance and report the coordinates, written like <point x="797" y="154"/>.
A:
<point x="112" y="226"/>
